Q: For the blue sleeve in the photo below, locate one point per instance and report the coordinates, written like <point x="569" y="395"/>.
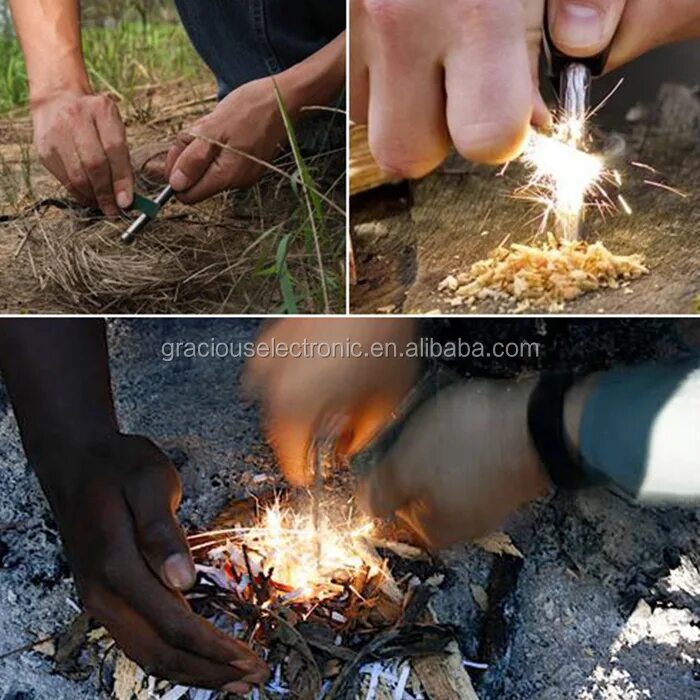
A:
<point x="640" y="429"/>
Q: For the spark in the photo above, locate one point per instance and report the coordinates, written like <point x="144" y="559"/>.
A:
<point x="625" y="206"/>
<point x="668" y="188"/>
<point x="286" y="542"/>
<point x="606" y="99"/>
<point x="644" y="166"/>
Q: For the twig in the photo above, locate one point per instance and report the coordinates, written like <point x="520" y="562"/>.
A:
<point x="27" y="647"/>
<point x="175" y="108"/>
<point x="303" y="647"/>
<point x="267" y="165"/>
<point x="353" y="667"/>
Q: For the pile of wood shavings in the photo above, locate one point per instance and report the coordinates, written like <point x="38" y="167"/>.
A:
<point x="523" y="277"/>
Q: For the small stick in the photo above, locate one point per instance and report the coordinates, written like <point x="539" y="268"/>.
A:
<point x="253" y="582"/>
<point x="27" y="647"/>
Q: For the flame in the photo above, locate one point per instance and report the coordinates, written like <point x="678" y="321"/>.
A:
<point x="301" y="557"/>
<point x="307" y="562"/>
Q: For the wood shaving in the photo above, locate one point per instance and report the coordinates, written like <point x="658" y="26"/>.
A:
<point x="444" y="678"/>
<point x="480" y="597"/>
<point x="499" y="543"/>
<point x="47" y="648"/>
<point x="525" y="277"/>
<point x="127" y="678"/>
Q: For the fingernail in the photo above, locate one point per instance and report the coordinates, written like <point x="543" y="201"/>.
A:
<point x="179" y="572"/>
<point x="124" y="200"/>
<point x="179" y="181"/>
<point x="578" y="25"/>
<point x="237" y="688"/>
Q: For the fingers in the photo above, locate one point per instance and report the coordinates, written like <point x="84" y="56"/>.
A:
<point x="583" y="28"/>
<point x="103" y="169"/>
<point x="158" y="658"/>
<point x="219" y="177"/>
<point x="407" y="129"/>
<point x="171" y="158"/>
<point x="429" y="524"/>
<point x="647" y="24"/>
<point x="112" y="133"/>
<point x="534" y="12"/>
<point x="65" y="160"/>
<point x="291" y="441"/>
<point x="97" y="167"/>
<point x="489" y="86"/>
<point x="123" y="569"/>
<point x="386" y="489"/>
<point x="359" y="93"/>
<point x="153" y="496"/>
<point x="358" y="70"/>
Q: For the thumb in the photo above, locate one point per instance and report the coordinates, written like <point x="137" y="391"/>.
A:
<point x="291" y="440"/>
<point x="192" y="163"/>
<point x="387" y="488"/>
<point x="174" y="153"/>
<point x="154" y="494"/>
<point x="582" y="28"/>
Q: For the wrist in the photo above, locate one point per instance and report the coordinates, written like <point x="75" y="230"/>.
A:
<point x="56" y="451"/>
<point x="46" y="95"/>
<point x="536" y="477"/>
<point x="316" y="81"/>
<point x="553" y="428"/>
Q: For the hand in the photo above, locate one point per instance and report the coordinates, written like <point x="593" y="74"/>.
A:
<point x="115" y="506"/>
<point x="249" y="120"/>
<point x="81" y="139"/>
<point x="424" y="74"/>
<point x="462" y="464"/>
<point x="297" y="394"/>
<point x="633" y="26"/>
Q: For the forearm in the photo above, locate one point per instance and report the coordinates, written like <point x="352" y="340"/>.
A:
<point x="49" y="33"/>
<point x="57" y="376"/>
<point x="637" y="428"/>
<point x="317" y="80"/>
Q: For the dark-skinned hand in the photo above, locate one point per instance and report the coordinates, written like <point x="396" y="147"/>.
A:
<point x="115" y="505"/>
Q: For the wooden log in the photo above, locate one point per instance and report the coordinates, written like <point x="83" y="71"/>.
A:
<point x="365" y="174"/>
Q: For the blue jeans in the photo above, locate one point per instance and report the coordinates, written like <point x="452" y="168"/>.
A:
<point x="241" y="40"/>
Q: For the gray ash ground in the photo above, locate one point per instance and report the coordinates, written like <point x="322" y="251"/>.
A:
<point x="604" y="605"/>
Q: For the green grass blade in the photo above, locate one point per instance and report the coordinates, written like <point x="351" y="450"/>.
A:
<point x="314" y="206"/>
<point x="285" y="281"/>
<point x="304" y="172"/>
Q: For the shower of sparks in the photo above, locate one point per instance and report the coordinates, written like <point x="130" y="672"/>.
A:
<point x="564" y="176"/>
<point x="286" y="542"/>
<point x="566" y="179"/>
